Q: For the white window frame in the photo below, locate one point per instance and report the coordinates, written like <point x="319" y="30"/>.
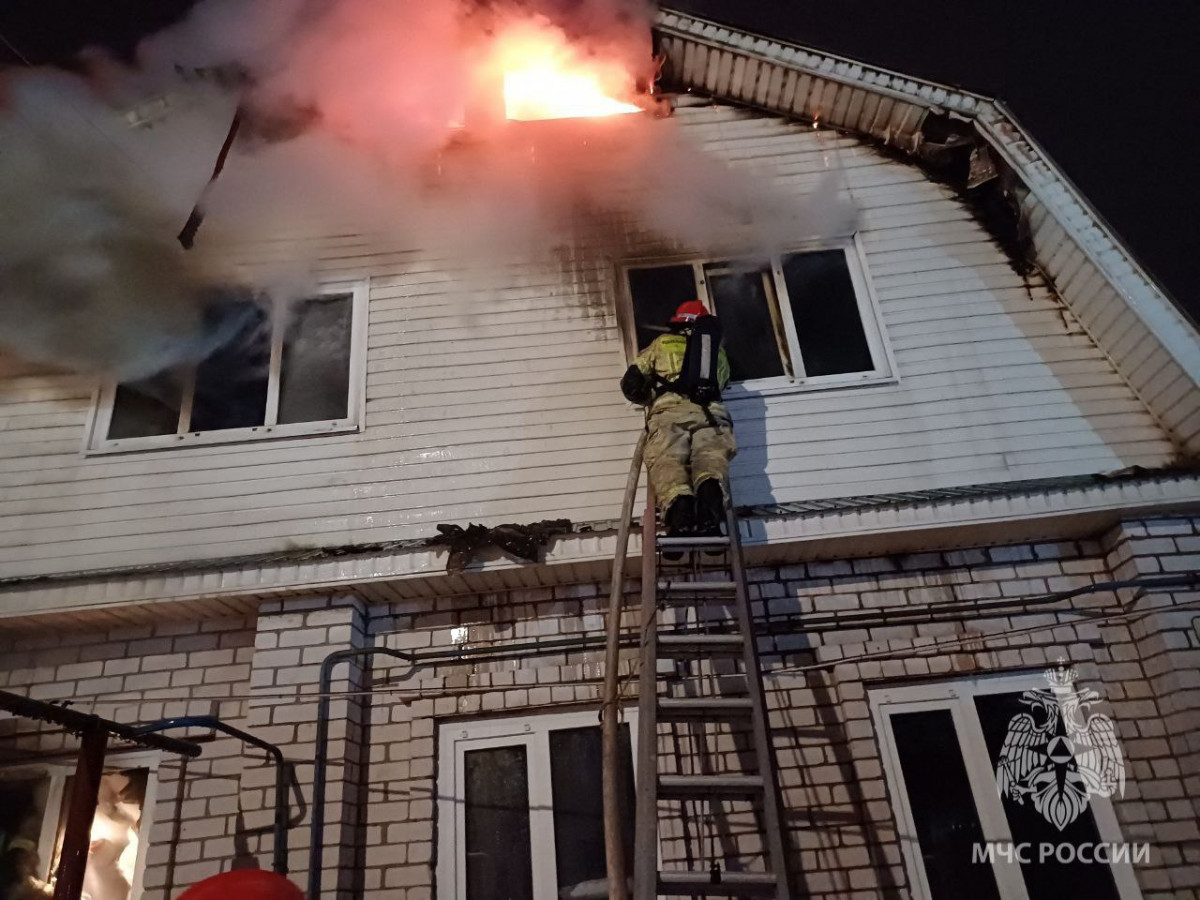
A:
<point x="531" y="732"/>
<point x="102" y="407"/>
<point x="796" y="380"/>
<point x="957" y="696"/>
<point x="58" y="773"/>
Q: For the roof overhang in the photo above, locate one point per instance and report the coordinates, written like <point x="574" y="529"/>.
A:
<point x="1154" y="346"/>
<point x="412" y="574"/>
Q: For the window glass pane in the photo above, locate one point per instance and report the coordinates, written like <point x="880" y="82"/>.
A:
<point x="22" y="807"/>
<point x="576" y="773"/>
<point x="657" y="293"/>
<point x="146" y="408"/>
<point x="315" y="375"/>
<point x="231" y="385"/>
<point x="828" y="325"/>
<point x="943" y="808"/>
<point x="112" y="854"/>
<point x="1051" y="879"/>
<point x="751" y="340"/>
<point x="499" y="863"/>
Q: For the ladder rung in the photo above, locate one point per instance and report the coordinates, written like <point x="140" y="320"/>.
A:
<point x="701" y="786"/>
<point x="692" y="644"/>
<point x="674" y="709"/>
<point x="693" y="541"/>
<point x="732" y="884"/>
<point x="670" y="586"/>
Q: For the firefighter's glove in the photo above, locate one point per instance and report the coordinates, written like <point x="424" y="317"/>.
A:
<point x="637" y="386"/>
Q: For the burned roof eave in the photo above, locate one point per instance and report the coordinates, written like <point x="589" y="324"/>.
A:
<point x="1150" y="341"/>
<point x="412" y="569"/>
<point x="793" y="509"/>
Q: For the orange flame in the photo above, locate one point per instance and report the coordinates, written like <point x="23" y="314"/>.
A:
<point x="545" y="79"/>
<point x="542" y="91"/>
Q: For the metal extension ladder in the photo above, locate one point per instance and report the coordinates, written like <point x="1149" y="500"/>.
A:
<point x="752" y="860"/>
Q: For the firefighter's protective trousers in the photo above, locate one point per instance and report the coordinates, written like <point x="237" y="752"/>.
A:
<point x="685" y="448"/>
<point x="685" y="445"/>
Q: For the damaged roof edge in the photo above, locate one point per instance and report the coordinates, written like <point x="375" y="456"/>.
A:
<point x="223" y="575"/>
<point x="1156" y="306"/>
<point x="1081" y="198"/>
<point x="1150" y="301"/>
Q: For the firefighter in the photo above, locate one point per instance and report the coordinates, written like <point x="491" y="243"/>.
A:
<point x="679" y="379"/>
<point x="19" y="867"/>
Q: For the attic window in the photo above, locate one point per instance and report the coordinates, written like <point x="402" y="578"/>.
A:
<point x="301" y="375"/>
<point x="803" y="318"/>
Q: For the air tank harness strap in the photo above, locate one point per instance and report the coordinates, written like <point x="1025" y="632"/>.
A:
<point x="672" y="387"/>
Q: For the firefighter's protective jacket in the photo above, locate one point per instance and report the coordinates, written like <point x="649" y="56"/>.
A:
<point x="664" y="357"/>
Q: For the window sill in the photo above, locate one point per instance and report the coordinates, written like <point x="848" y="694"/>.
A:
<point x="780" y="387"/>
<point x="258" y="434"/>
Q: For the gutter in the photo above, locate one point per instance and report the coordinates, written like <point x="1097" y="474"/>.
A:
<point x="783" y="510"/>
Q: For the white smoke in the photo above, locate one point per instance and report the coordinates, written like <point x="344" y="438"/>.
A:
<point x="91" y="276"/>
<point x="357" y="114"/>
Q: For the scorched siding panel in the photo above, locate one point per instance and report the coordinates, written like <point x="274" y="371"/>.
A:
<point x="509" y="411"/>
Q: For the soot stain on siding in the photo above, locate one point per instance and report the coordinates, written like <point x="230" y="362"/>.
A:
<point x="951" y="152"/>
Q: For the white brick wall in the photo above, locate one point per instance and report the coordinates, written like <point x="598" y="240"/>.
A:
<point x="380" y="838"/>
<point x="143" y="673"/>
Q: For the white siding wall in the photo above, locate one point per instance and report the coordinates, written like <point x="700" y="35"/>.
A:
<point x="515" y="415"/>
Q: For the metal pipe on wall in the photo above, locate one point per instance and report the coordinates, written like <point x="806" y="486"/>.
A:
<point x="279" y="859"/>
<point x="321" y="757"/>
<point x="79" y="722"/>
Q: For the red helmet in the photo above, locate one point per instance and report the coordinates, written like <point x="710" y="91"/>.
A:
<point x="244" y="884"/>
<point x="689" y="312"/>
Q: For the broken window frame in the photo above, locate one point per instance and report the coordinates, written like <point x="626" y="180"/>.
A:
<point x="957" y="696"/>
<point x="105" y="395"/>
<point x="531" y="731"/>
<point x="58" y="775"/>
<point x="794" y="378"/>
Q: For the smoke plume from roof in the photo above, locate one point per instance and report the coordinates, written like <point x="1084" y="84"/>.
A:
<point x="380" y="117"/>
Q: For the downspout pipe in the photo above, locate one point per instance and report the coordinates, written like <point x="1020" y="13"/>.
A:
<point x="321" y="760"/>
<point x="279" y="859"/>
<point x="324" y="686"/>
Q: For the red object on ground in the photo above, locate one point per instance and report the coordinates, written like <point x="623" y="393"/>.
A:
<point x="244" y="884"/>
<point x="688" y="312"/>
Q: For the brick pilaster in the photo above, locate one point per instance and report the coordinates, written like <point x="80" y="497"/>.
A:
<point x="293" y="638"/>
<point x="1165" y="758"/>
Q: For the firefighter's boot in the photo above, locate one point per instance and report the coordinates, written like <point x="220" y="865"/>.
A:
<point x="680" y="519"/>
<point x="710" y="510"/>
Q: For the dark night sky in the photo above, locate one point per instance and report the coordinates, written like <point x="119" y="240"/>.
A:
<point x="1106" y="87"/>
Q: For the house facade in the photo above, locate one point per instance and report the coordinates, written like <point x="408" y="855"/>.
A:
<point x="966" y="431"/>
